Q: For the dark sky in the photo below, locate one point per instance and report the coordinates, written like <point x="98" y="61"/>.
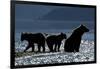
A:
<point x="51" y="18"/>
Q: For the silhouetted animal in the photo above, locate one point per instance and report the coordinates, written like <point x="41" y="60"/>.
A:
<point x="34" y="38"/>
<point x="56" y="41"/>
<point x="72" y="44"/>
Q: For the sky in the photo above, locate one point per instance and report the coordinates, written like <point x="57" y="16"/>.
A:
<point x="43" y="18"/>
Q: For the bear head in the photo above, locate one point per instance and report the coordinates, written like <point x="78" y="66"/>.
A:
<point x="83" y="28"/>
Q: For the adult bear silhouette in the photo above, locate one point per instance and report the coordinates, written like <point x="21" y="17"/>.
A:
<point x="34" y="38"/>
<point x="72" y="44"/>
<point x="54" y="41"/>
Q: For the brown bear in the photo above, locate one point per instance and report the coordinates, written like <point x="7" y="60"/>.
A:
<point x="34" y="38"/>
<point x="72" y="44"/>
<point x="54" y="41"/>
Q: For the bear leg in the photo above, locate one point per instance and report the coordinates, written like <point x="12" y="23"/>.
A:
<point x="43" y="48"/>
<point x="58" y="47"/>
<point x="77" y="50"/>
<point x="33" y="48"/>
<point x="55" y="48"/>
<point x="27" y="48"/>
<point x="39" y="48"/>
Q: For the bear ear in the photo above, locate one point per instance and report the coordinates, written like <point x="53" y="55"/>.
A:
<point x="23" y="32"/>
<point x="61" y="33"/>
<point x="81" y="24"/>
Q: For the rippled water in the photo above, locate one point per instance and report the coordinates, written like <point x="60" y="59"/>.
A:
<point x="86" y="54"/>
